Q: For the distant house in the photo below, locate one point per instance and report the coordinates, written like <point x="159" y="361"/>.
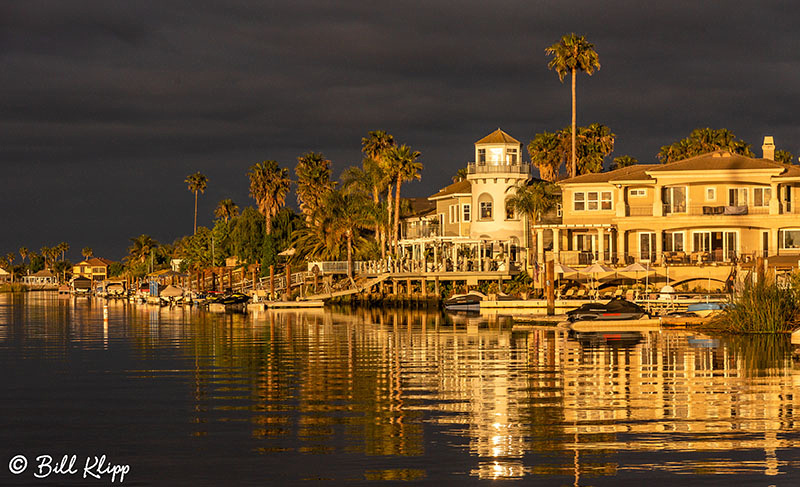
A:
<point x="40" y="278"/>
<point x="5" y="276"/>
<point x="94" y="268"/>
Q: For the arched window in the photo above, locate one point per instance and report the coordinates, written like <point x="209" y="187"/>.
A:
<point x="485" y="204"/>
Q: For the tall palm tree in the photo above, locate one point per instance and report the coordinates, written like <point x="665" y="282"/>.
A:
<point x="10" y="261"/>
<point x="197" y="184"/>
<point x="269" y="185"/>
<point x="344" y="213"/>
<point x="23" y="252"/>
<point x="46" y="253"/>
<point x="376" y="146"/>
<point x="87" y="252"/>
<point x="532" y="200"/>
<point x="313" y="173"/>
<point x="573" y="53"/>
<point x="63" y="247"/>
<point x="226" y="209"/>
<point x="404" y="164"/>
<point x="547" y="154"/>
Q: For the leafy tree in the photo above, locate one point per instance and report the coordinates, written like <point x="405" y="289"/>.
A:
<point x="573" y="53"/>
<point x="269" y="185"/>
<point x="37" y="262"/>
<point x="623" y="161"/>
<point x="784" y="157"/>
<point x="405" y="166"/>
<point x="313" y="173"/>
<point x="116" y="269"/>
<point x="702" y="141"/>
<point x="226" y="209"/>
<point x="63" y="268"/>
<point x="533" y="200"/>
<point x="197" y="184"/>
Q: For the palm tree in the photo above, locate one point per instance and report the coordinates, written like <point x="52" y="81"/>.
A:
<point x="313" y="173"/>
<point x="547" y="154"/>
<point x="376" y="146"/>
<point x="623" y="161"/>
<point x="23" y="252"/>
<point x="63" y="247"/>
<point x="46" y="253"/>
<point x="87" y="252"/>
<point x="532" y="200"/>
<point x="594" y="143"/>
<point x="461" y="175"/>
<point x="344" y="214"/>
<point x="197" y="183"/>
<point x="702" y="141"/>
<point x="571" y="54"/>
<point x="269" y="185"/>
<point x="226" y="209"/>
<point x="404" y="164"/>
<point x="10" y="260"/>
<point x="140" y="248"/>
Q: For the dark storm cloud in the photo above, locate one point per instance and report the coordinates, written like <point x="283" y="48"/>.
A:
<point x="105" y="107"/>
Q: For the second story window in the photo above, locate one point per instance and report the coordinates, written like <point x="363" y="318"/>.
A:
<point x="486" y="210"/>
<point x="761" y="196"/>
<point x="674" y="199"/>
<point x="737" y="197"/>
<point x="453" y="212"/>
<point x="511" y="156"/>
<point x="467" y="208"/>
<point x="592" y="200"/>
<point x="481" y="156"/>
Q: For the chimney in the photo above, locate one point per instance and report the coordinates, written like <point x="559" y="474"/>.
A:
<point x="768" y="148"/>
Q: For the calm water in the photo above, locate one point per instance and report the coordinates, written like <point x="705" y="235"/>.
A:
<point x="186" y="397"/>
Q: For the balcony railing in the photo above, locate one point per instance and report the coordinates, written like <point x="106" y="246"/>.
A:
<point x="640" y="210"/>
<point x="420" y="231"/>
<point x="497" y="168"/>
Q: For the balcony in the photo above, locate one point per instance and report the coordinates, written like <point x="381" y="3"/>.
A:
<point x="497" y="168"/>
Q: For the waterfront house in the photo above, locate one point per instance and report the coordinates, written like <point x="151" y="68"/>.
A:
<point x="41" y="278"/>
<point x="472" y="228"/>
<point x="94" y="268"/>
<point x="5" y="276"/>
<point x="717" y="207"/>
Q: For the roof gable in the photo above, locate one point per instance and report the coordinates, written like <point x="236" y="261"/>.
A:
<point x="498" y="137"/>
<point x="461" y="187"/>
<point x="634" y="172"/>
<point x="721" y="160"/>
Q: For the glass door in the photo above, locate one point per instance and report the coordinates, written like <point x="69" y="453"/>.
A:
<point x="647" y="246"/>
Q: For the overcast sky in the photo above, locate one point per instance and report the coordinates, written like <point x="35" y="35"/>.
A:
<point x="106" y="107"/>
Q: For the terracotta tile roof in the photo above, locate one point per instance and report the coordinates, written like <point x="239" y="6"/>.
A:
<point x="99" y="261"/>
<point x="717" y="160"/>
<point x="461" y="187"/>
<point x="635" y="172"/>
<point x="498" y="137"/>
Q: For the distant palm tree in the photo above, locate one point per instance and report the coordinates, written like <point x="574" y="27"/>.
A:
<point x="623" y="161"/>
<point x="87" y="252"/>
<point x="197" y="183"/>
<point x="63" y="247"/>
<point x="10" y="260"/>
<point x="269" y="185"/>
<point x="344" y="213"/>
<point x="532" y="200"/>
<point x="23" y="252"/>
<point x="46" y="252"/>
<point x="547" y="154"/>
<point x="573" y="53"/>
<point x="404" y="164"/>
<point x="461" y="175"/>
<point x="226" y="209"/>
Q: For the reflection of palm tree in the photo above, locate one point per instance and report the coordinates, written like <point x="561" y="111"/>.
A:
<point x="405" y="166"/>
<point x="197" y="183"/>
<point x="573" y="53"/>
<point x="226" y="209"/>
<point x="269" y="185"/>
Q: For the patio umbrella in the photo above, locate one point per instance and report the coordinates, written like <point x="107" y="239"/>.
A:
<point x="563" y="269"/>
<point x="636" y="268"/>
<point x="595" y="269"/>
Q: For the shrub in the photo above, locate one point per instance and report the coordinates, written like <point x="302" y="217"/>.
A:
<point x="761" y="307"/>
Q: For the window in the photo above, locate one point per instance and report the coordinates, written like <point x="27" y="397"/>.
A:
<point x="453" y="213"/>
<point x="441" y="223"/>
<point x="486" y="210"/>
<point x="511" y="156"/>
<point x="467" y="212"/>
<point x="510" y="213"/>
<point x="737" y="197"/>
<point x="638" y="192"/>
<point x="481" y="156"/>
<point x="673" y="242"/>
<point x="702" y="241"/>
<point x="592" y="200"/>
<point x="711" y="194"/>
<point x="761" y="196"/>
<point x="578" y="199"/>
<point x="789" y="239"/>
<point x="674" y="199"/>
<point x="559" y="210"/>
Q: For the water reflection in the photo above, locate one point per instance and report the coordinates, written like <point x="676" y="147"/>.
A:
<point x="413" y="395"/>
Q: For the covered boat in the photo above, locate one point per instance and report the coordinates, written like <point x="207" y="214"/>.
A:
<point x="470" y="301"/>
<point x="616" y="309"/>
